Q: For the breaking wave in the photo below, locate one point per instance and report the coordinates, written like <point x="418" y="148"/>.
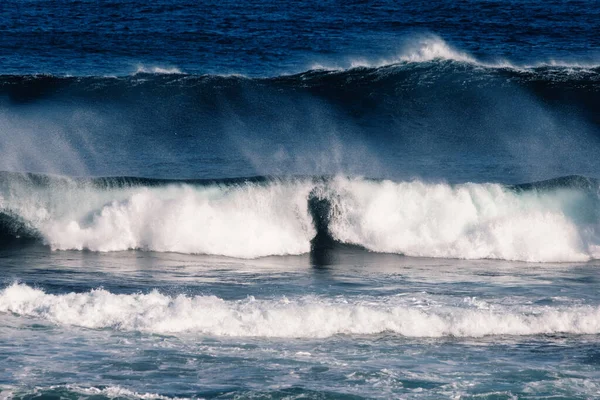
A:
<point x="306" y="317"/>
<point x="549" y="221"/>
<point x="428" y="62"/>
<point x="430" y="102"/>
<point x="430" y="48"/>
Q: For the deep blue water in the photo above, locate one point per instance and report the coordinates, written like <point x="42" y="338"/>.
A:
<point x="286" y="200"/>
<point x="266" y="38"/>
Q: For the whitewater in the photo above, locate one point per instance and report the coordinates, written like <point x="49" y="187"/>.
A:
<point x="286" y="216"/>
<point x="306" y="317"/>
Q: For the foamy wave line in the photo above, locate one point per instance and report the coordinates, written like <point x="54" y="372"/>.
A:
<point x="469" y="221"/>
<point x="141" y="69"/>
<point x="431" y="47"/>
<point x="109" y="392"/>
<point x="307" y="317"/>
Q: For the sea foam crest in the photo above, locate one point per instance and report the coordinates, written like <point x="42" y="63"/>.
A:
<point x="423" y="50"/>
<point x="466" y="221"/>
<point x="250" y="220"/>
<point x="142" y="69"/>
<point x="432" y="47"/>
<point x="245" y="222"/>
<point x="306" y="317"/>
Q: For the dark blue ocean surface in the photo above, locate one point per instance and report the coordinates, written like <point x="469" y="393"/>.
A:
<point x="286" y="200"/>
<point x="266" y="38"/>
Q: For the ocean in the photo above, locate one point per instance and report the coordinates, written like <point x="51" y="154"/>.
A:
<point x="299" y="199"/>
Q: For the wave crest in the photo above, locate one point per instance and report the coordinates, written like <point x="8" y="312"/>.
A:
<point x="307" y="317"/>
<point x="466" y="221"/>
<point x="552" y="221"/>
<point x="430" y="48"/>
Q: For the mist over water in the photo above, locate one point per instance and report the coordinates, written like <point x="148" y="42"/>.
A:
<point x="432" y="112"/>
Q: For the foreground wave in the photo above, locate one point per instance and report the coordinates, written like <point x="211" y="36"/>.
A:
<point x="302" y="317"/>
<point x="556" y="220"/>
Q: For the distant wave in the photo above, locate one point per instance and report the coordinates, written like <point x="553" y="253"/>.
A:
<point x="143" y="69"/>
<point x="434" y="60"/>
<point x="425" y="49"/>
<point x="374" y="83"/>
<point x="557" y="220"/>
<point x="429" y="52"/>
<point x="305" y="317"/>
<point x="430" y="48"/>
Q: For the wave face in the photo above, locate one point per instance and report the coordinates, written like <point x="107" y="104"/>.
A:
<point x="433" y="112"/>
<point x="557" y="220"/>
<point x="308" y="317"/>
<point x="431" y="65"/>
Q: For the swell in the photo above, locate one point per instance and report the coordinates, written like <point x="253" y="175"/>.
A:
<point x="373" y="97"/>
<point x="36" y="180"/>
<point x="553" y="220"/>
<point x="402" y="75"/>
<point x="401" y="120"/>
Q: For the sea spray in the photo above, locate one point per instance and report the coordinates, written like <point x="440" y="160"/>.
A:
<point x="552" y="222"/>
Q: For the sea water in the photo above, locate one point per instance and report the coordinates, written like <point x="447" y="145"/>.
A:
<point x="290" y="200"/>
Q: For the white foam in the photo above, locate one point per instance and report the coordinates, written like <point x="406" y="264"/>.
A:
<point x="117" y="392"/>
<point x="110" y="392"/>
<point x="469" y="221"/>
<point x="465" y="221"/>
<point x="306" y="317"/>
<point x="141" y="69"/>
<point x="421" y="49"/>
<point x="431" y="47"/>
<point x="245" y="222"/>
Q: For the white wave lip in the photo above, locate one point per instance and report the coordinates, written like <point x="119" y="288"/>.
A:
<point x="308" y="317"/>
<point x="141" y="69"/>
<point x="245" y="222"/>
<point x="431" y="47"/>
<point x="469" y="221"/>
<point x="423" y="49"/>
